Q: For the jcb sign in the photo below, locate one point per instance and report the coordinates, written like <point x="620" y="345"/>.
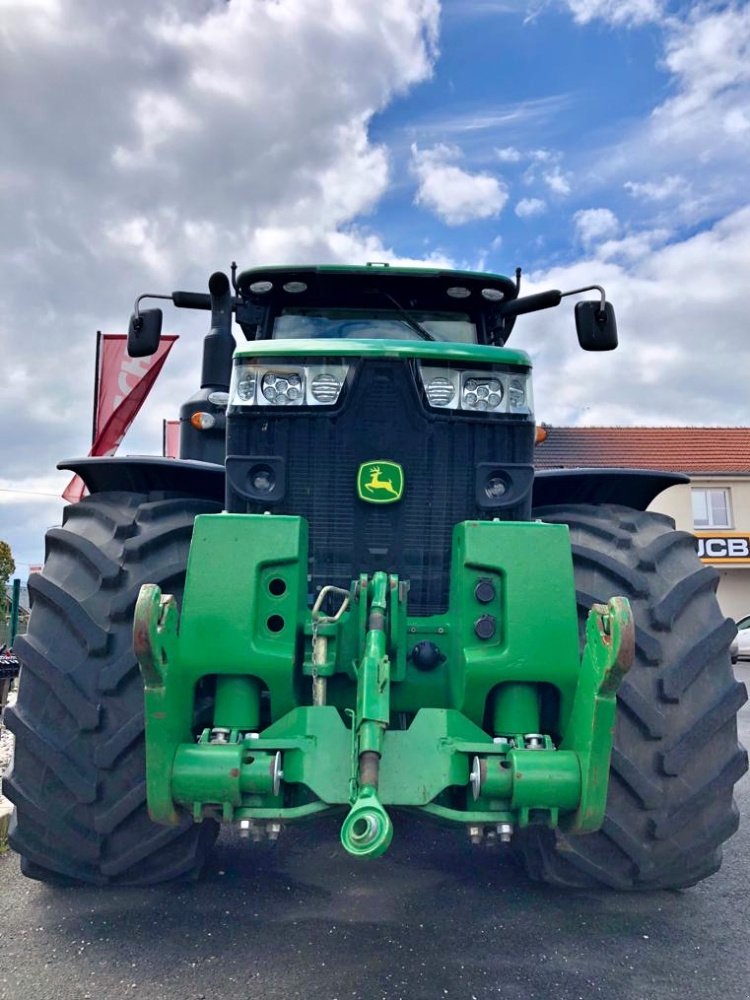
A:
<point x="724" y="547"/>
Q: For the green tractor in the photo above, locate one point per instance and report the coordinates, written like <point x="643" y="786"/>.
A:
<point x="353" y="594"/>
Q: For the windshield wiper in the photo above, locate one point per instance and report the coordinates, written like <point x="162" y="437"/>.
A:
<point x="412" y="323"/>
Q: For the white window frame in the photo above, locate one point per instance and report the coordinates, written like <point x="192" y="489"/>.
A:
<point x="712" y="520"/>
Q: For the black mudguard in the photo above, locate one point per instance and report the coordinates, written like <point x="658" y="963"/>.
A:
<point x="149" y="474"/>
<point x="634" y="488"/>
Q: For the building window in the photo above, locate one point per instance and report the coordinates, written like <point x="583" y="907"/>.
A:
<point x="711" y="508"/>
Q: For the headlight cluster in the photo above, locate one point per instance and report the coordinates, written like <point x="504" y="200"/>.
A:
<point x="286" y="385"/>
<point x="477" y="392"/>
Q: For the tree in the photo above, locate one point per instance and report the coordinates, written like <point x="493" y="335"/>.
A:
<point x="7" y="566"/>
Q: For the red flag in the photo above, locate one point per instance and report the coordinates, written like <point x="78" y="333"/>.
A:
<point x="122" y="385"/>
<point x="171" y="438"/>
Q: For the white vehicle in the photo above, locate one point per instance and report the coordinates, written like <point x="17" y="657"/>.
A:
<point x="743" y="638"/>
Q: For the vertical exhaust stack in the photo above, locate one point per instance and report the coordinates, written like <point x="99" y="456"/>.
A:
<point x="218" y="346"/>
<point x="203" y="416"/>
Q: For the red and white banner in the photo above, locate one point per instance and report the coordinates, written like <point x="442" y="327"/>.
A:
<point x="171" y="439"/>
<point x="122" y="386"/>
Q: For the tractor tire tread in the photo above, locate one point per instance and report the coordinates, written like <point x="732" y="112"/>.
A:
<point x="77" y="778"/>
<point x="676" y="757"/>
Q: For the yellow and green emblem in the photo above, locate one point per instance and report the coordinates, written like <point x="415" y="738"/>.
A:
<point x="380" y="481"/>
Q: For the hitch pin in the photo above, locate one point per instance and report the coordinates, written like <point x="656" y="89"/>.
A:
<point x="320" y="642"/>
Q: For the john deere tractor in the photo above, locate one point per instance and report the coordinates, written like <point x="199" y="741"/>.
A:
<point x="353" y="594"/>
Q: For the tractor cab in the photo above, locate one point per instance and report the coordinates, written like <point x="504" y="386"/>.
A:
<point x="372" y="302"/>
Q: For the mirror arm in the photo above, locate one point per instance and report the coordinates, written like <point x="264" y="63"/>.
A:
<point x="589" y="288"/>
<point x="146" y="295"/>
<point x="183" y="300"/>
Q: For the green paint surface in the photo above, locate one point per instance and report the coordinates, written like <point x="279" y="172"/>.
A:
<point x="246" y="632"/>
<point x="424" y="351"/>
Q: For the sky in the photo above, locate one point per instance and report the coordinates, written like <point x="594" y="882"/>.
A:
<point x="145" y="145"/>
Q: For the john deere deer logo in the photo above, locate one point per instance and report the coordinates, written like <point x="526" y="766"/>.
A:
<point x="380" y="481"/>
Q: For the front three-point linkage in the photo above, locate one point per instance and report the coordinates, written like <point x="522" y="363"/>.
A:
<point x="367" y="830"/>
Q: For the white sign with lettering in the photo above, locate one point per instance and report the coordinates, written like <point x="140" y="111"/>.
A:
<point x="723" y="547"/>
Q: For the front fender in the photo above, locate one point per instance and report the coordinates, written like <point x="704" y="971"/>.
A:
<point x="634" y="488"/>
<point x="148" y="474"/>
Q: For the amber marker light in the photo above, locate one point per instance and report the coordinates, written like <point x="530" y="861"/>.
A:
<point x="202" y="421"/>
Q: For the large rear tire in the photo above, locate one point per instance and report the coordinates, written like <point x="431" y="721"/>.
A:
<point x="676" y="757"/>
<point x="78" y="775"/>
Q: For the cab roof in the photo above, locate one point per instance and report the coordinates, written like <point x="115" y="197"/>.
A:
<point x="412" y="287"/>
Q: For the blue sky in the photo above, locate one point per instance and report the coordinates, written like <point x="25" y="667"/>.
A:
<point x="558" y="113"/>
<point x="509" y="86"/>
<point x="143" y="146"/>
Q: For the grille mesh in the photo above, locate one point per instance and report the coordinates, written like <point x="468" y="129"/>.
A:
<point x="381" y="418"/>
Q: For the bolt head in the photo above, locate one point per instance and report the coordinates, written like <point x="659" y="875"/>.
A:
<point x="484" y="591"/>
<point x="505" y="832"/>
<point x="484" y="626"/>
<point x="476" y="834"/>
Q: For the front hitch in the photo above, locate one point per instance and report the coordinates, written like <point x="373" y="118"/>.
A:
<point x="367" y="830"/>
<point x="505" y="727"/>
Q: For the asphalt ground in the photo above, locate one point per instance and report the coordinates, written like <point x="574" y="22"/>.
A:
<point x="432" y="920"/>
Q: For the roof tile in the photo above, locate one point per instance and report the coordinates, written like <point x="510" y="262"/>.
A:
<point x="695" y="450"/>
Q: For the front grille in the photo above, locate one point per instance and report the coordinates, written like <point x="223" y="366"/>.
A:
<point x="381" y="418"/>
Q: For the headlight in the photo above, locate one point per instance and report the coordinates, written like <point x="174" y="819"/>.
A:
<point x="518" y="395"/>
<point x="286" y="385"/>
<point x="441" y="391"/>
<point x="245" y="390"/>
<point x="325" y="387"/>
<point x="482" y="393"/>
<point x="476" y="392"/>
<point x="282" y="388"/>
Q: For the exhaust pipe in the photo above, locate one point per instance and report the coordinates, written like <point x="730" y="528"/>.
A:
<point x="218" y="345"/>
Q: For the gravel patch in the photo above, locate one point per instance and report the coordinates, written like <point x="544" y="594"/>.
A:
<point x="6" y="808"/>
<point x="6" y="744"/>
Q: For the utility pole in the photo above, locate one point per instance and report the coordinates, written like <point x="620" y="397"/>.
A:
<point x="15" y="603"/>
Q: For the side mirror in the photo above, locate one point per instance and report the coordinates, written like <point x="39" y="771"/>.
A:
<point x="144" y="333"/>
<point x="596" y="327"/>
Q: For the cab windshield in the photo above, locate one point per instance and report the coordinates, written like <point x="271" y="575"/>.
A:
<point x="367" y="324"/>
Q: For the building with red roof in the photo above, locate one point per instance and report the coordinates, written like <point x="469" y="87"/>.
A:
<point x="715" y="506"/>
<point x="693" y="450"/>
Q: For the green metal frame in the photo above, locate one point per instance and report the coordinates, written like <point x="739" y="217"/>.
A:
<point x="510" y="725"/>
<point x="442" y="351"/>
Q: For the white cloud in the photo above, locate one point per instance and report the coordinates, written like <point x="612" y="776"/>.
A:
<point x="159" y="118"/>
<point x="659" y="190"/>
<point x="736" y="122"/>
<point x="557" y="181"/>
<point x="509" y="154"/>
<point x="708" y="55"/>
<point x="685" y="164"/>
<point x="681" y="313"/>
<point x="486" y="117"/>
<point x="528" y="207"/>
<point x="166" y="140"/>
<point x="619" y="12"/>
<point x="594" y="224"/>
<point x="702" y="132"/>
<point x="633" y="246"/>
<point x="453" y="194"/>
